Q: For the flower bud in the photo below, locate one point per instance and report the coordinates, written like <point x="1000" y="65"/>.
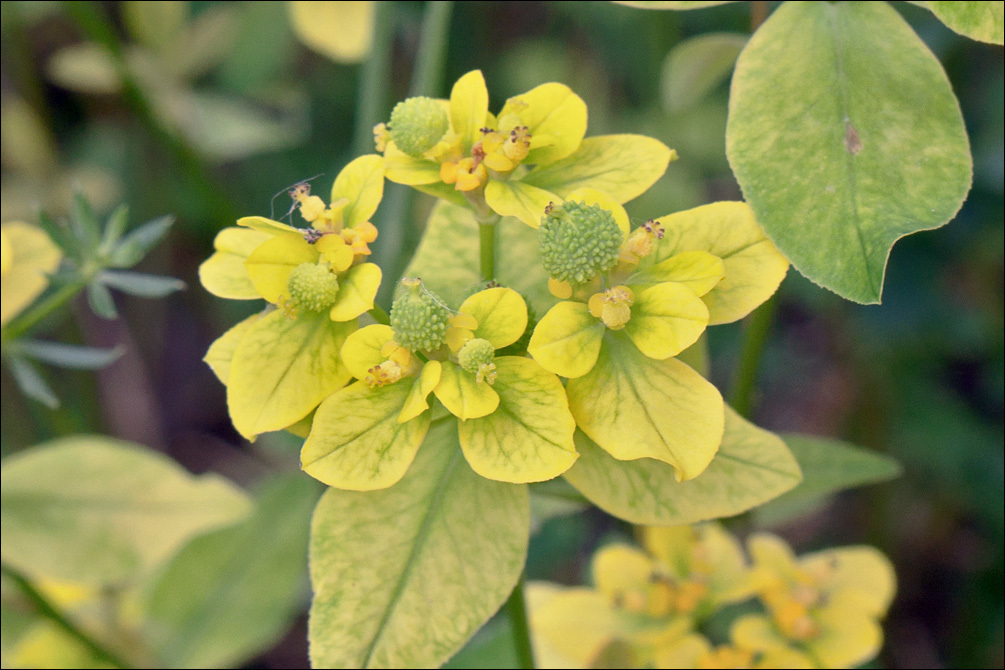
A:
<point x="419" y="318"/>
<point x="578" y="241"/>
<point x="417" y="124"/>
<point x="312" y="287"/>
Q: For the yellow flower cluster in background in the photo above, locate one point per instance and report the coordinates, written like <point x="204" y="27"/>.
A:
<point x="650" y="608"/>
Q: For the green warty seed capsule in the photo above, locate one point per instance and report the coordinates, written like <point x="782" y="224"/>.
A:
<point x="417" y="124"/>
<point x="312" y="287"/>
<point x="579" y="241"/>
<point x="476" y="353"/>
<point x="419" y="318"/>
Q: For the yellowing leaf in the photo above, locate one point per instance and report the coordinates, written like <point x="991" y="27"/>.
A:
<point x="362" y="183"/>
<point x="617" y="568"/>
<point x="528" y="438"/>
<point x="263" y="225"/>
<point x="754" y="267"/>
<point x="666" y="319"/>
<point x="462" y="395"/>
<point x="845" y="135"/>
<point x="221" y="352"/>
<point x="862" y="571"/>
<point x="501" y="314"/>
<point x="269" y="266"/>
<point x="592" y="196"/>
<point x="356" y="292"/>
<point x="751" y="467"/>
<point x="623" y="166"/>
<point x="514" y="198"/>
<point x="551" y="110"/>
<point x="33" y="256"/>
<point x="469" y="105"/>
<point x="637" y="407"/>
<point x="847" y="639"/>
<point x="283" y="368"/>
<point x="223" y="274"/>
<point x="577" y="622"/>
<point x="401" y="168"/>
<point x="700" y="271"/>
<point x="417" y="401"/>
<point x="357" y="443"/>
<point x="567" y="340"/>
<point x="341" y="31"/>
<point x="362" y="349"/>
<point x="404" y="576"/>
<point x="95" y="510"/>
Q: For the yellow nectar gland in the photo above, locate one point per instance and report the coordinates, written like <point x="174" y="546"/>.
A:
<point x="467" y="174"/>
<point x="386" y="373"/>
<point x="640" y="243"/>
<point x="613" y="306"/>
<point x="791" y="616"/>
<point x="501" y="152"/>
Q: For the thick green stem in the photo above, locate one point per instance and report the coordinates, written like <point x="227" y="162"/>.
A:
<point x="516" y="607"/>
<point x="96" y="25"/>
<point x="750" y="358"/>
<point x="487" y="238"/>
<point x="29" y="319"/>
<point x="374" y="80"/>
<point x="46" y="609"/>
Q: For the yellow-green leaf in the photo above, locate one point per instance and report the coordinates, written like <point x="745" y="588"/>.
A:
<point x="417" y="400"/>
<point x="551" y="110"/>
<point x="637" y="407"/>
<point x="469" y="106"/>
<point x="221" y="352"/>
<point x="462" y="395"/>
<point x="223" y="274"/>
<point x="623" y="166"/>
<point x="700" y="271"/>
<point x="671" y="4"/>
<point x="357" y="443"/>
<point x="845" y="135"/>
<point x="264" y="225"/>
<point x="984" y="21"/>
<point x="567" y="340"/>
<point x="751" y="467"/>
<point x="523" y="201"/>
<point x="269" y="266"/>
<point x="501" y="314"/>
<point x="341" y="31"/>
<point x="753" y="266"/>
<point x="95" y="510"/>
<point x="403" y="577"/>
<point x="356" y="292"/>
<point x="666" y="319"/>
<point x="401" y="168"/>
<point x="283" y="368"/>
<point x="362" y="183"/>
<point x="362" y="349"/>
<point x="529" y="437"/>
<point x="33" y="256"/>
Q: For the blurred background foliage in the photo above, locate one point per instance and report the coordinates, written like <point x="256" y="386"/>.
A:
<point x="206" y="110"/>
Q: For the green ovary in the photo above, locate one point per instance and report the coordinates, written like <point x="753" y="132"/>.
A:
<point x="579" y="241"/>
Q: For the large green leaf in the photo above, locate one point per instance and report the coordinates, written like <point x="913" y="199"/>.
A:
<point x="447" y="257"/>
<point x="751" y="467"/>
<point x="828" y="466"/>
<point x="231" y="593"/>
<point x="845" y="135"/>
<point x="404" y="576"/>
<point x="982" y="21"/>
<point x="96" y="510"/>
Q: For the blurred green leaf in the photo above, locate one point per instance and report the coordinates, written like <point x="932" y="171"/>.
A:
<point x="139" y="284"/>
<point x="138" y="243"/>
<point x="843" y="123"/>
<point x="85" y="223"/>
<point x="95" y="510"/>
<point x="68" y="355"/>
<point x="231" y="593"/>
<point x="828" y="466"/>
<point x="101" y="301"/>
<point x="31" y="382"/>
<point x="410" y="592"/>
<point x="60" y="234"/>
<point x="86" y="67"/>
<point x="751" y="467"/>
<point x="553" y="499"/>
<point x="669" y="4"/>
<point x="155" y="23"/>
<point x="114" y="228"/>
<point x="696" y="66"/>
<point x="984" y="21"/>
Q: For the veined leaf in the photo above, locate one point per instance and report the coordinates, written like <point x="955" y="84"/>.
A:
<point x="99" y="511"/>
<point x="845" y="135"/>
<point x="404" y="576"/>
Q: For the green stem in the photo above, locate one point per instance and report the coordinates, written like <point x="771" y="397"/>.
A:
<point x="39" y="311"/>
<point x="487" y="238"/>
<point x="516" y="607"/>
<point x="374" y="80"/>
<point x="46" y="609"/>
<point x="427" y="75"/>
<point x="98" y="27"/>
<point x="750" y="359"/>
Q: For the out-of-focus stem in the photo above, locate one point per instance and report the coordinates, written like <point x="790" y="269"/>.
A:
<point x="750" y="357"/>
<point x="516" y="607"/>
